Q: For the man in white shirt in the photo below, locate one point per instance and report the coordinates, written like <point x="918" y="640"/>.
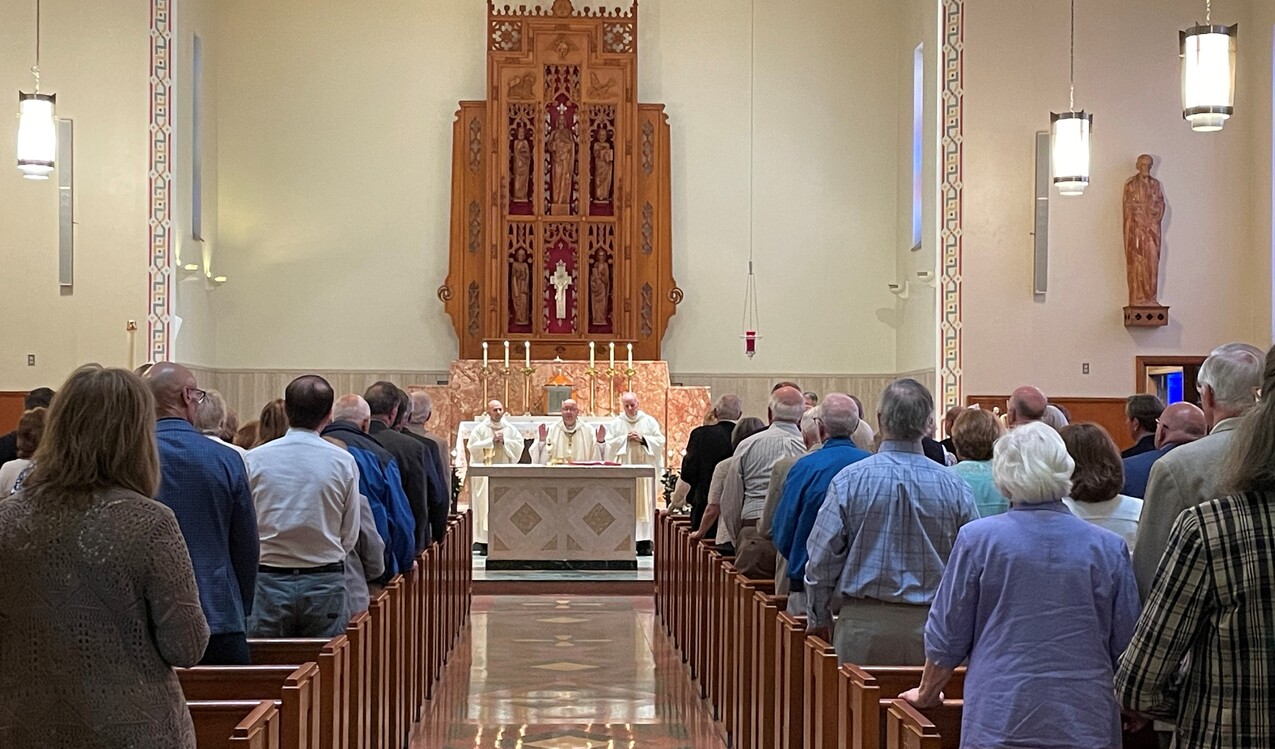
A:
<point x="306" y="491"/>
<point x="493" y="441"/>
<point x="568" y="441"/>
<point x="635" y="439"/>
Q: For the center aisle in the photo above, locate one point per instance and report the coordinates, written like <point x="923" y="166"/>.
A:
<point x="565" y="672"/>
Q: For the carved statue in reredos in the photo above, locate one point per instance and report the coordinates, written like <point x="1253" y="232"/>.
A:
<point x="1143" y="237"/>
<point x="561" y="163"/>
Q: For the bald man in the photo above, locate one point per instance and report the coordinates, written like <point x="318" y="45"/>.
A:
<point x="568" y="441"/>
<point x="634" y="438"/>
<point x="1179" y="424"/>
<point x="205" y="484"/>
<point x="494" y="441"/>
<point x="1026" y="404"/>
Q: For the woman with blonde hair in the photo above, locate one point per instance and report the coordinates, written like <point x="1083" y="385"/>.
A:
<point x="98" y="593"/>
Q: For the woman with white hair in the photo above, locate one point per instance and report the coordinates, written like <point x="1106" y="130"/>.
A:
<point x="1041" y="603"/>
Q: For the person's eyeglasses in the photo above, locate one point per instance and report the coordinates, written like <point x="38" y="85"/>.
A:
<point x="199" y="394"/>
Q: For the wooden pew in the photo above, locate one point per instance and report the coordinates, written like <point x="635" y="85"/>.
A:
<point x="766" y="690"/>
<point x="333" y="657"/>
<point x="938" y="727"/>
<point x="864" y="694"/>
<point x="359" y="633"/>
<point x="297" y="690"/>
<point x="790" y="666"/>
<point x="819" y="682"/>
<point x="744" y="589"/>
<point x="237" y="724"/>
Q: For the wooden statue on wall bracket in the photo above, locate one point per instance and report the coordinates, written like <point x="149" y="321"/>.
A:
<point x="1143" y="235"/>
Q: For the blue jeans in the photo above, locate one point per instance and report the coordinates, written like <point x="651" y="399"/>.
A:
<point x="299" y="605"/>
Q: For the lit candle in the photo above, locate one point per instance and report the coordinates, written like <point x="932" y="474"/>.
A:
<point x="506" y="354"/>
<point x="630" y="356"/>
<point x="526" y="353"/>
<point x="592" y="355"/>
<point x="612" y="347"/>
<point x="484" y="354"/>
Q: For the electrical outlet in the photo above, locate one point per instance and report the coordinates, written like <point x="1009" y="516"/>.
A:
<point x="1084" y="368"/>
<point x="30" y="360"/>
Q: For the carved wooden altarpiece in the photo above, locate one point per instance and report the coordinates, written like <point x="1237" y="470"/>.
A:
<point x="561" y="228"/>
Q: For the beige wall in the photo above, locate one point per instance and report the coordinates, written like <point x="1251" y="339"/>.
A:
<point x="1216" y="274"/>
<point x="334" y="178"/>
<point x="94" y="57"/>
<point x="1258" y="59"/>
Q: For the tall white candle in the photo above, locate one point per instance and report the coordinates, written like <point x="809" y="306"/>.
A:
<point x="484" y="354"/>
<point x="506" y="354"/>
<point x="526" y="353"/>
<point x="592" y="355"/>
<point x="611" y="346"/>
<point x="630" y="356"/>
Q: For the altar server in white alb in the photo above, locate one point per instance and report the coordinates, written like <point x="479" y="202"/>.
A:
<point x="494" y="441"/>
<point x="634" y="438"/>
<point x="568" y="441"/>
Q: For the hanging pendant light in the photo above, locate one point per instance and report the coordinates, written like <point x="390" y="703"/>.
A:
<point x="37" y="132"/>
<point x="1070" y="136"/>
<point x="1208" y="73"/>
<point x="750" y="334"/>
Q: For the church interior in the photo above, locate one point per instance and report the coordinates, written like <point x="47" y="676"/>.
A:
<point x="668" y="202"/>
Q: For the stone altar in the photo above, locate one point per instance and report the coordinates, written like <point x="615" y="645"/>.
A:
<point x="548" y="517"/>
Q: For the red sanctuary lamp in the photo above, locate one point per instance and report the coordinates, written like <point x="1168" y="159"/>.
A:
<point x="750" y="335"/>
<point x="750" y="342"/>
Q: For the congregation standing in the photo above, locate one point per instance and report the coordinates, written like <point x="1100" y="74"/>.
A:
<point x="1090" y="593"/>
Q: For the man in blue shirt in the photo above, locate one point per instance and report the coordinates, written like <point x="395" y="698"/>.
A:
<point x="206" y="486"/>
<point x="807" y="485"/>
<point x="882" y="539"/>
<point x="1179" y="424"/>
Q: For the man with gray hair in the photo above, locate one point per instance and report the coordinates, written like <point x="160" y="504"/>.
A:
<point x="1026" y="404"/>
<point x="210" y="419"/>
<point x="882" y="537"/>
<point x="1228" y="382"/>
<point x="705" y="448"/>
<point x="806" y="486"/>
<point x="422" y="411"/>
<point x="756" y="456"/>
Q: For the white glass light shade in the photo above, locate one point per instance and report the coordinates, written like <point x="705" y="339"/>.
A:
<point x="37" y="135"/>
<point x="1208" y="76"/>
<point x="1069" y="142"/>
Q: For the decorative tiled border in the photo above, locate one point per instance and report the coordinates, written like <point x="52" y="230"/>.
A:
<point x="950" y="202"/>
<point x="160" y="275"/>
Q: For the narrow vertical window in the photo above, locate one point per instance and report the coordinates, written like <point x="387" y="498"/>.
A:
<point x="197" y="140"/>
<point x="918" y="127"/>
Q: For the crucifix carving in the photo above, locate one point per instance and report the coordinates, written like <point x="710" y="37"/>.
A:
<point x="561" y="282"/>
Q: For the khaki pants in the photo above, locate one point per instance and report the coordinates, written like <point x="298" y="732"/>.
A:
<point x="874" y="633"/>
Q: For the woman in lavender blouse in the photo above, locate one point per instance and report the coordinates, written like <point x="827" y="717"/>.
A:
<point x="1041" y="603"/>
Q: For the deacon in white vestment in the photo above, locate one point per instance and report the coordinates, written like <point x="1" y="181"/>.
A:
<point x="635" y="439"/>
<point x="493" y="441"/>
<point x="568" y="441"/>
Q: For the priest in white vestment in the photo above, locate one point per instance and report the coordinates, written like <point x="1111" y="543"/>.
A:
<point x="634" y="438"/>
<point x="494" y="441"/>
<point x="568" y="441"/>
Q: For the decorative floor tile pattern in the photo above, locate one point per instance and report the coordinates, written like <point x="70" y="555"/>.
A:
<point x="594" y="674"/>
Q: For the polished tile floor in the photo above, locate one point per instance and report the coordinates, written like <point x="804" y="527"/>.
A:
<point x="546" y="672"/>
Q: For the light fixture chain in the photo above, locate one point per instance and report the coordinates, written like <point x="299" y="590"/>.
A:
<point x="1208" y="12"/>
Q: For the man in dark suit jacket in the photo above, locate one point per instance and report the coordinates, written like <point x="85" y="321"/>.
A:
<point x="705" y="448"/>
<point x="1142" y="411"/>
<point x="205" y="484"/>
<point x="1179" y="424"/>
<point x="382" y="399"/>
<point x="38" y="398"/>
<point x="439" y="494"/>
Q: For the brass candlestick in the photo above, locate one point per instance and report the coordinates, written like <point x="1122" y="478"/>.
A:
<point x="611" y="372"/>
<point x="628" y="374"/>
<point x="485" y="374"/>
<point x="505" y="372"/>
<point x="526" y="389"/>
<point x="592" y="372"/>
